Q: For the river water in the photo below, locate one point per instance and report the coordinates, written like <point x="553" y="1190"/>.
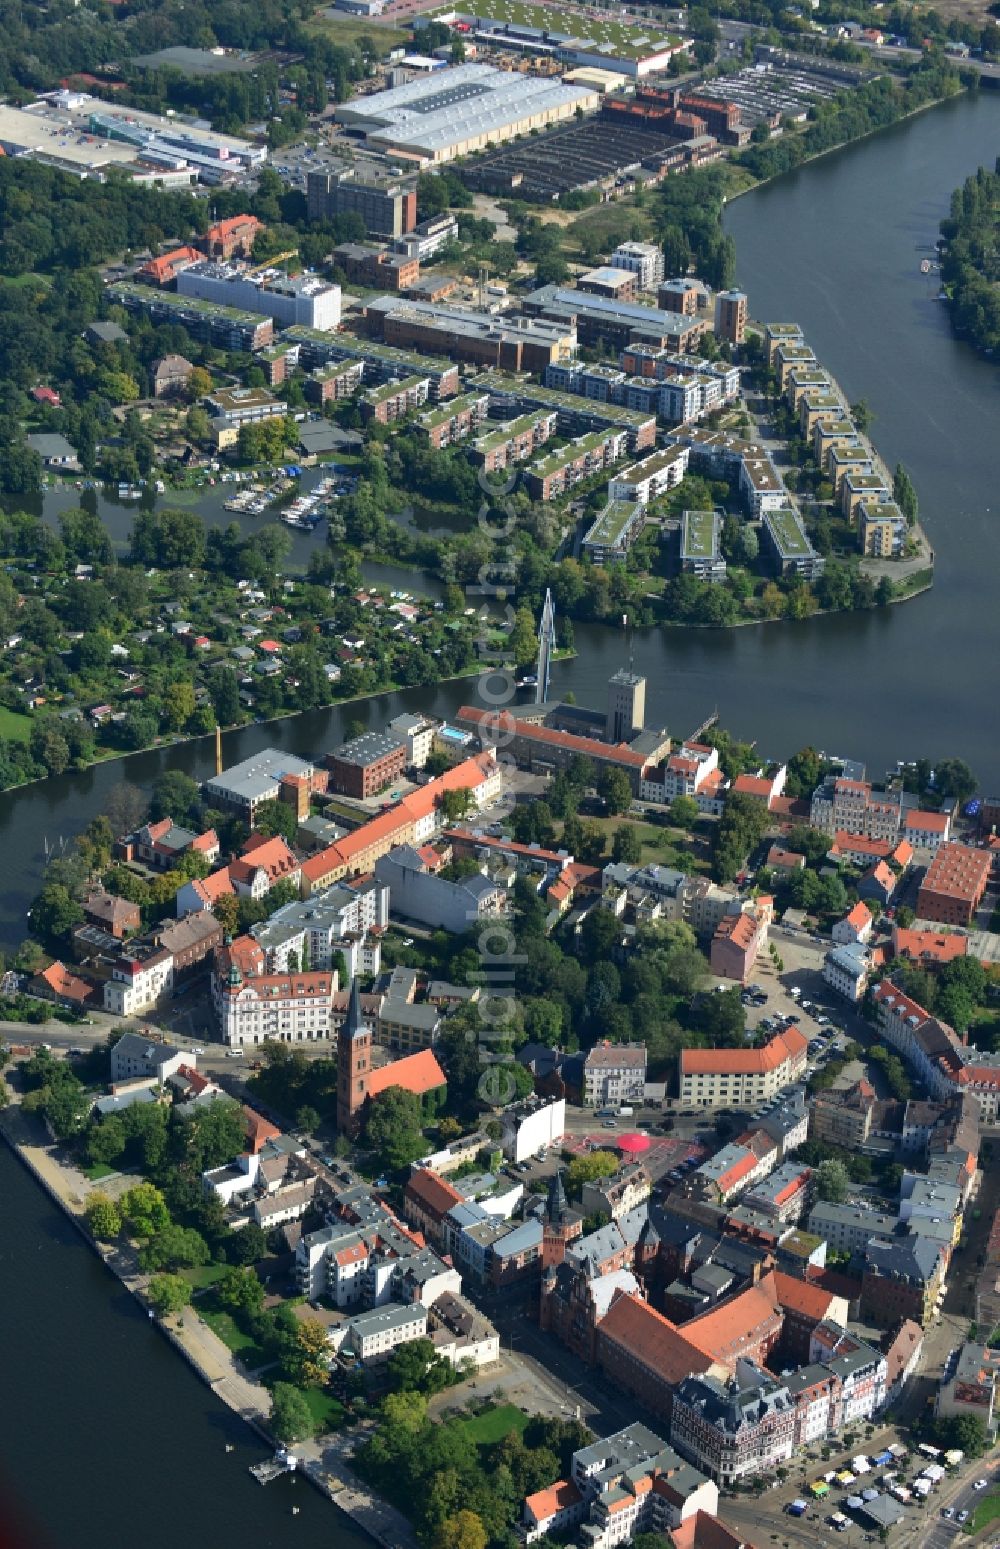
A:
<point x="109" y="1440"/>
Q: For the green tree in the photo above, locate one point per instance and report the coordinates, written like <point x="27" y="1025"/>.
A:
<point x="104" y="1219"/>
<point x="832" y="1181"/>
<point x="684" y="812"/>
<point x="144" y="1210"/>
<point x="241" y="1291"/>
<point x="463" y="1530"/>
<point x="416" y="1367"/>
<point x="626" y="845"/>
<point x="276" y="819"/>
<point x="394" y="1129"/>
<point x="174" y="1247"/>
<point x="588" y="1169"/>
<point x="167" y="1294"/>
<point x="615" y="789"/>
<point x="291" y="1417"/>
<point x="307" y="1118"/>
<point x="904" y="494"/>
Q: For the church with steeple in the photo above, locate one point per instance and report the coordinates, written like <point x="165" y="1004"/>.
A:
<point x="354" y="1059"/>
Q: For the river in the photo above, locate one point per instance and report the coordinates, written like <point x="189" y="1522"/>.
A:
<point x="108" y="1440"/>
<point x="835" y="247"/>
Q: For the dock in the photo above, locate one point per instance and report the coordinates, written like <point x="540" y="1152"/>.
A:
<point x="273" y="1468"/>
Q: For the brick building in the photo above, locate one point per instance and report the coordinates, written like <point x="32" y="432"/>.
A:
<point x="366" y="765"/>
<point x="232" y="238"/>
<point x="954" y="884"/>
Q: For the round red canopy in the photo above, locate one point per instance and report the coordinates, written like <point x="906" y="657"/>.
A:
<point x="634" y="1142"/>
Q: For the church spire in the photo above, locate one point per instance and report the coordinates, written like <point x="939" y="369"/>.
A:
<point x="355" y="1022"/>
<point x="557" y="1198"/>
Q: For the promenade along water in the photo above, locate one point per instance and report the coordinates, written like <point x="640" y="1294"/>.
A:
<point x="106" y="1438"/>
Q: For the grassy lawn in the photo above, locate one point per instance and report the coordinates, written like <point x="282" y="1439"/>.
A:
<point x="98" y="1171"/>
<point x="14" y="725"/>
<point x="239" y="1343"/>
<point x="666" y="846"/>
<point x="324" y="1408"/>
<point x="986" y="1512"/>
<point x="494" y="1424"/>
<point x="205" y="1275"/>
<point x="346" y="30"/>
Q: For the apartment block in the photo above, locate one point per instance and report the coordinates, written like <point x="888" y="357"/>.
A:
<point x="614" y="1073"/>
<point x="515" y="440"/>
<point x="329" y="384"/>
<point x="882" y="530"/>
<point x="388" y="206"/>
<point x="455" y="420"/>
<point x="588" y="455"/>
<point x="651" y="477"/>
<point x="739" y="938"/>
<point x="644" y="259"/>
<point x="730" y="1078"/>
<point x="788" y="543"/>
<point x="394" y="400"/>
<point x="954" y="884"/>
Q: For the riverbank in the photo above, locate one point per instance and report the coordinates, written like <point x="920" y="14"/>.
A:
<point x="211" y="1360"/>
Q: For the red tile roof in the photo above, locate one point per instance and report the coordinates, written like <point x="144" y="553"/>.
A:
<point x="560" y="1496"/>
<point x="66" y="984"/>
<point x="503" y="726"/>
<point x="929" y="946"/>
<point x="417" y="1073"/>
<point x="928" y="822"/>
<point x="723" y="1330"/>
<point x="258" y="1129"/>
<point x="795" y="1295"/>
<point x="432" y="1192"/>
<point x="749" y="1062"/>
<point x="652" y="1339"/>
<point x="860" y="916"/>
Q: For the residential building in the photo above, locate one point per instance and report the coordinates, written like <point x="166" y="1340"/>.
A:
<point x="416" y="893"/>
<point x="138" y="1057"/>
<point x="701" y="552"/>
<point x="620" y="1486"/>
<point x="846" y="971"/>
<point x="614" y="1074"/>
<point x="685" y="295"/>
<point x="373" y="266"/>
<point x="387" y="204"/>
<point x="453" y="421"/>
<point x="861" y="1371"/>
<point x="552" y="475"/>
<point x="653" y="476"/>
<point x="613" y="531"/>
<point x="646" y="1355"/>
<point x="971" y="1386"/>
<point x="262" y="865"/>
<point x="927" y="830"/>
<point x="191" y="943"/>
<point x="790" y="548"/>
<point x="734" y="1429"/>
<point x="140" y="978"/>
<point x="366" y="765"/>
<point x="849" y="1228"/>
<point x="738" y="939"/>
<point x="618" y="1195"/>
<point x="619" y="284"/>
<point x="531" y="1126"/>
<point x="954" y="884"/>
<point x="119" y="917"/>
<point x="160" y="845"/>
<point x="731" y="1078"/>
<point x="514" y="441"/>
<point x="903" y="1278"/>
<point x="882" y="530"/>
<point x="315" y="929"/>
<point x="329" y="384"/>
<point x="428" y="237"/>
<point x="855" y="928"/>
<point x="170" y="375"/>
<point x="842" y="1117"/>
<point x="731" y="315"/>
<point x="392" y="401"/>
<point x="784" y="1194"/>
<point x="461" y="1334"/>
<point x="644" y="259"/>
<point x="372" y="1336"/>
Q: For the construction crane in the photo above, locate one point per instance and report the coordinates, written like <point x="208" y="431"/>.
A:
<point x="269" y="263"/>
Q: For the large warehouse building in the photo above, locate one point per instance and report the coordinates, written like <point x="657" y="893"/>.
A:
<point x="454" y="112"/>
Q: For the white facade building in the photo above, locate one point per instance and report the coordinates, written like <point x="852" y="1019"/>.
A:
<point x="614" y="1074"/>
<point x="305" y="299"/>
<point x="138" y="984"/>
<point x="531" y="1126"/>
<point x="846" y="970"/>
<point x="643" y="259"/>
